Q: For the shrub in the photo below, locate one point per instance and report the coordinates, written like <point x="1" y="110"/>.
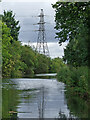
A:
<point x="76" y="79"/>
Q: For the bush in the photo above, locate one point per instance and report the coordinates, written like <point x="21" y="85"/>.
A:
<point x="76" y="79"/>
<point x="63" y="74"/>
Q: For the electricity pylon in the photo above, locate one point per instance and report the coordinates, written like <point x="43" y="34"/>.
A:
<point x="42" y="46"/>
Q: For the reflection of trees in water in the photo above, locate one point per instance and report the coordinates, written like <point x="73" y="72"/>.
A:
<point x="10" y="99"/>
<point x="64" y="117"/>
<point x="41" y="103"/>
<point x="77" y="106"/>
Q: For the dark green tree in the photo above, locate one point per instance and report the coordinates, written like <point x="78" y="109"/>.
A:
<point x="56" y="64"/>
<point x="69" y="16"/>
<point x="76" y="52"/>
<point x="11" y="23"/>
<point x="27" y="57"/>
<point x="42" y="64"/>
<point x="72" y="23"/>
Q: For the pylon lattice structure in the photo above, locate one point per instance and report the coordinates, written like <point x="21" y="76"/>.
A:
<point x="42" y="46"/>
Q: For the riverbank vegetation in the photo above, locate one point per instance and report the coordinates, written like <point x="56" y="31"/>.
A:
<point x="76" y="80"/>
<point x="72" y="24"/>
<point x="18" y="60"/>
<point x="21" y="60"/>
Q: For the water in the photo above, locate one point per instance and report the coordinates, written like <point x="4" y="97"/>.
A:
<point x="35" y="98"/>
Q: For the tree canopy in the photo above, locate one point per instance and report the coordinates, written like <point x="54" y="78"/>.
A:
<point x="69" y="19"/>
<point x="9" y="19"/>
<point x="72" y="24"/>
<point x="19" y="60"/>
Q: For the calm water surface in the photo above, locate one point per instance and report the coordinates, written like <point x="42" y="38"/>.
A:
<point x="35" y="97"/>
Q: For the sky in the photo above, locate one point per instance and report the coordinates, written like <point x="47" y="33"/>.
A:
<point x="50" y="1"/>
<point x="26" y="11"/>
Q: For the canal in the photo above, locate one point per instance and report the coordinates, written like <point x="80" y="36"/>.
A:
<point x="39" y="97"/>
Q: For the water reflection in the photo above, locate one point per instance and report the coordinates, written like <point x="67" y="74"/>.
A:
<point x="46" y="98"/>
<point x="36" y="98"/>
<point x="10" y="99"/>
<point x="77" y="106"/>
<point x="41" y="103"/>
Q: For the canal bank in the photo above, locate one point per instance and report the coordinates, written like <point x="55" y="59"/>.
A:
<point x="37" y="98"/>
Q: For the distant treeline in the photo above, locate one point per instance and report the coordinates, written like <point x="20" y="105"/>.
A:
<point x="18" y="60"/>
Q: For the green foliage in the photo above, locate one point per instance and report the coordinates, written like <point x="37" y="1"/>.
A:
<point x="17" y="64"/>
<point x="10" y="55"/>
<point x="56" y="64"/>
<point x="0" y="48"/>
<point x="18" y="60"/>
<point x="72" y="23"/>
<point x="6" y="38"/>
<point x="22" y="61"/>
<point x="42" y="64"/>
<point x="76" y="52"/>
<point x="68" y="18"/>
<point x="10" y="21"/>
<point x="77" y="106"/>
<point x="27" y="57"/>
<point x="76" y="80"/>
<point x="0" y="17"/>
<point x="63" y="73"/>
<point x="10" y="99"/>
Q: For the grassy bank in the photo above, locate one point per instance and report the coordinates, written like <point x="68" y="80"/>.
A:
<point x="76" y="80"/>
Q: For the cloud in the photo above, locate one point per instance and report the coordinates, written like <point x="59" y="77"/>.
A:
<point x="51" y="1"/>
<point x="25" y="13"/>
<point x="56" y="50"/>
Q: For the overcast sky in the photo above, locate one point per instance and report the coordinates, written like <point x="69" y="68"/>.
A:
<point x="50" y="1"/>
<point x="26" y="12"/>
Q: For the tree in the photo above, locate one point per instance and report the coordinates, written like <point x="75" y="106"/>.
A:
<point x="12" y="66"/>
<point x="56" y="64"/>
<point x="18" y="66"/>
<point x="76" y="53"/>
<point x="6" y="38"/>
<point x="27" y="56"/>
<point x="72" y="23"/>
<point x="42" y="64"/>
<point x="68" y="18"/>
<point x="0" y="48"/>
<point x="11" y="23"/>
